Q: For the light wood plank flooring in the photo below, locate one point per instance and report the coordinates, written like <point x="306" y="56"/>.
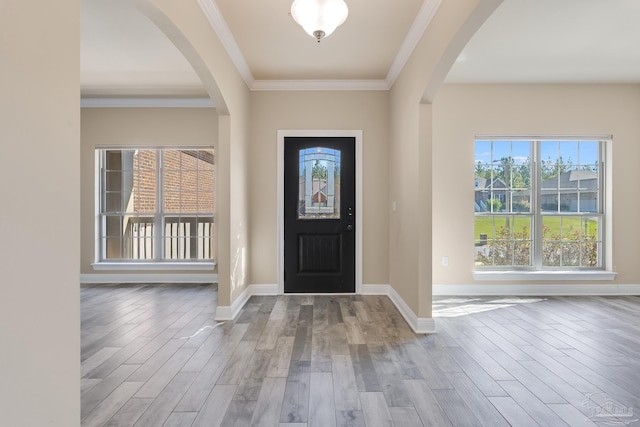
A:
<point x="152" y="355"/>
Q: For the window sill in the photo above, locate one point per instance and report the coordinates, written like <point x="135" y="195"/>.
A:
<point x="512" y="275"/>
<point x="153" y="266"/>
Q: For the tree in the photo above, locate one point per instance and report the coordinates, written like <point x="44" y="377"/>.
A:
<point x="551" y="168"/>
<point x="495" y="204"/>
<point x="482" y="170"/>
<point x="319" y="171"/>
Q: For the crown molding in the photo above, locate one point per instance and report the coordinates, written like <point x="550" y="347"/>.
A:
<point x="309" y="85"/>
<point x="146" y="103"/>
<point x="213" y="14"/>
<point x="420" y="24"/>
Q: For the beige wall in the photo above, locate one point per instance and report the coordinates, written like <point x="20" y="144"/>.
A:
<point x="40" y="213"/>
<point x="463" y="111"/>
<point x="189" y="29"/>
<point x="138" y="127"/>
<point x="358" y="110"/>
<point x="410" y="147"/>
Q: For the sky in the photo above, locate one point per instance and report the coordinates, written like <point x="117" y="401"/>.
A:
<point x="577" y="152"/>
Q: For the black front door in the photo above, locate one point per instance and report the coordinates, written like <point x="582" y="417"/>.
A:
<point x="319" y="214"/>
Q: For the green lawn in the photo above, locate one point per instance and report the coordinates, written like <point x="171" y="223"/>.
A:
<point x="484" y="225"/>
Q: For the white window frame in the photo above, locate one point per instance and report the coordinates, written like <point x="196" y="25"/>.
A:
<point x="158" y="263"/>
<point x="536" y="271"/>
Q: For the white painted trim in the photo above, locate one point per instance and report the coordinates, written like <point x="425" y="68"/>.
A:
<point x="425" y="325"/>
<point x="357" y="134"/>
<point x="213" y="14"/>
<point x="511" y="276"/>
<point x="146" y="103"/>
<point x="148" y="278"/>
<point x="420" y="325"/>
<point x="535" y="290"/>
<point x="153" y="266"/>
<point x="420" y="24"/>
<point x="231" y="312"/>
<point x="264" y="289"/>
<point x="223" y="312"/>
<point x="307" y="85"/>
<point x="375" y="289"/>
<point x="219" y="25"/>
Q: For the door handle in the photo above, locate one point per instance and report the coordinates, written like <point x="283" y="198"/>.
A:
<point x="349" y="227"/>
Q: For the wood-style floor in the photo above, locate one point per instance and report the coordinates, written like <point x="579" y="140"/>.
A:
<point x="153" y="356"/>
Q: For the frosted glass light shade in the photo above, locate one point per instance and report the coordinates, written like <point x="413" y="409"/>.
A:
<point x="319" y="18"/>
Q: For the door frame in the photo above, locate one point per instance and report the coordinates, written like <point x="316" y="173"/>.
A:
<point x="357" y="134"/>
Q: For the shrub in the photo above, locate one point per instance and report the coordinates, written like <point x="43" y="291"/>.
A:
<point x="557" y="250"/>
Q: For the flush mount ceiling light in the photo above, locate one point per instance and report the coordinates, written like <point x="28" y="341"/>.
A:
<point x="319" y="18"/>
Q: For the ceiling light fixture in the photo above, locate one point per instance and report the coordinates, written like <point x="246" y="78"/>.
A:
<point x="319" y="18"/>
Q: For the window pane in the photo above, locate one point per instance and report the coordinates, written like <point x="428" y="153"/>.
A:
<point x="570" y="241"/>
<point x="137" y="248"/>
<point x="569" y="184"/>
<point x="503" y="240"/>
<point x="568" y="201"/>
<point x="205" y="242"/>
<point x="171" y="202"/>
<point x="113" y="202"/>
<point x="549" y="153"/>
<point x="501" y="150"/>
<point x="521" y="201"/>
<point x="205" y="191"/>
<point x="113" y="226"/>
<point x="130" y="183"/>
<point x="571" y="254"/>
<point x="188" y="201"/>
<point x="113" y="180"/>
<point x="112" y="248"/>
<point x="590" y="254"/>
<point x="171" y="179"/>
<point x="590" y="228"/>
<point x="205" y="202"/>
<point x="522" y="253"/>
<point x="145" y="202"/>
<point x="119" y="160"/>
<point x="589" y="153"/>
<point x="319" y="183"/>
<point x="568" y="152"/>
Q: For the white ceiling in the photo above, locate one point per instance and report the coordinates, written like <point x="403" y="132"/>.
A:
<point x="124" y="54"/>
<point x="555" y="41"/>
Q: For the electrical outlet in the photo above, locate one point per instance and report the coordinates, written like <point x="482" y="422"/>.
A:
<point x="445" y="261"/>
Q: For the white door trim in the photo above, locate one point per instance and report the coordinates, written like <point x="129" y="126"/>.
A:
<point x="357" y="134"/>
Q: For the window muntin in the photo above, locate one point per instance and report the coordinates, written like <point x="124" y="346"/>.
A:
<point x="156" y="205"/>
<point x="539" y="204"/>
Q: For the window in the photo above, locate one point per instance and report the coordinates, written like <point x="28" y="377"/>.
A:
<point x="156" y="205"/>
<point x="539" y="204"/>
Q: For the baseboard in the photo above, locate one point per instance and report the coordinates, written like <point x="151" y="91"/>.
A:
<point x="264" y="289"/>
<point x="420" y="325"/>
<point x="375" y="289"/>
<point x="535" y="290"/>
<point x="148" y="278"/>
<point x="224" y="312"/>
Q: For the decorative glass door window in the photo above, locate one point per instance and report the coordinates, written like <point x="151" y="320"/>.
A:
<point x="319" y="183"/>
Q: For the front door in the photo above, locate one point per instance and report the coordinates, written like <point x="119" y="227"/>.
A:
<point x="319" y="214"/>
